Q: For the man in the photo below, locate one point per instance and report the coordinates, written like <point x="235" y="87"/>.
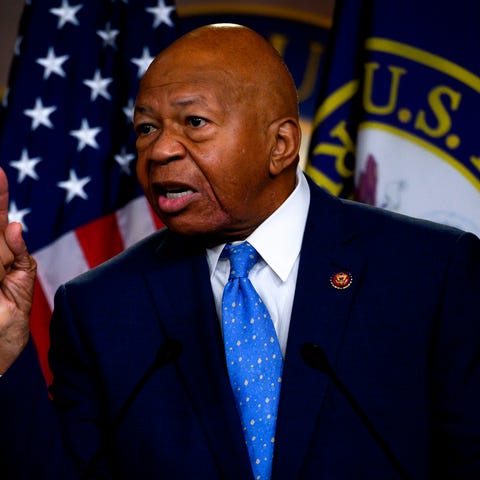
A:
<point x="144" y="386"/>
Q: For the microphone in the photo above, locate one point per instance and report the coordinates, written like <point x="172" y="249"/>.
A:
<point x="315" y="357"/>
<point x="167" y="353"/>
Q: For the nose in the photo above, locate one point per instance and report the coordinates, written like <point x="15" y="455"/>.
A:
<point x="167" y="147"/>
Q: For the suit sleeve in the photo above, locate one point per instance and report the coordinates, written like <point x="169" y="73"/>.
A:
<point x="455" y="388"/>
<point x="45" y="439"/>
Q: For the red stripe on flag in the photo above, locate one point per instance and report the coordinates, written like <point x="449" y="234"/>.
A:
<point x="39" y="326"/>
<point x="100" y="239"/>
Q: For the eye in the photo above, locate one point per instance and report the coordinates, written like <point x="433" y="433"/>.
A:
<point x="196" y="122"/>
<point x="144" y="129"/>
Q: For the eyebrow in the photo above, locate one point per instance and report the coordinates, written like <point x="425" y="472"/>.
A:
<point x="142" y="109"/>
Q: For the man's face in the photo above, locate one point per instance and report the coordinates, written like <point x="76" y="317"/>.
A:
<point x="203" y="154"/>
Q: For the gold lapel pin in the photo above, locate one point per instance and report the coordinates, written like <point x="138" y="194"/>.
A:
<point x="341" y="280"/>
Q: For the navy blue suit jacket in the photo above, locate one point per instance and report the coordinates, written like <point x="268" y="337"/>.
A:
<point x="404" y="338"/>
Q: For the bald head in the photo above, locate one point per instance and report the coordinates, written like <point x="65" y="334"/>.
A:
<point x="252" y="67"/>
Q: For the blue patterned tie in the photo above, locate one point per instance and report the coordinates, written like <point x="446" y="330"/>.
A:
<point x="254" y="358"/>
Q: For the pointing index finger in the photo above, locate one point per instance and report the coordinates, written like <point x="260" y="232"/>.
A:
<point x="3" y="200"/>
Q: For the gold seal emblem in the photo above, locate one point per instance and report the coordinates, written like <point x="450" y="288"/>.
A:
<point x="341" y="280"/>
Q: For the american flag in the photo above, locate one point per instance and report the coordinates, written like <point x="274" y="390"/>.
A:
<point x="66" y="136"/>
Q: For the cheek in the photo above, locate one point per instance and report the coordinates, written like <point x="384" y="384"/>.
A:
<point x="222" y="187"/>
<point x="225" y="168"/>
<point x="231" y="200"/>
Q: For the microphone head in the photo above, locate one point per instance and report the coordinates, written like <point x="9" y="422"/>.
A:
<point x="315" y="357"/>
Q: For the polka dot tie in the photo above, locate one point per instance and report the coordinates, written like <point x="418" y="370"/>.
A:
<point x="253" y="356"/>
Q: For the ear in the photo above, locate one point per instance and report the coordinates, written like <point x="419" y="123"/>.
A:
<point x="287" y="145"/>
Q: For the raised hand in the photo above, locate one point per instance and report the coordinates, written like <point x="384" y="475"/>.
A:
<point x="17" y="276"/>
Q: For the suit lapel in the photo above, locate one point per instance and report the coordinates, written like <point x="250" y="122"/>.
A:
<point x="186" y="310"/>
<point x="319" y="315"/>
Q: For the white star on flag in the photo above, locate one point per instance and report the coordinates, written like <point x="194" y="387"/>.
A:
<point x="108" y="36"/>
<point x="74" y="186"/>
<point x="86" y="135"/>
<point x="39" y="114"/>
<point x="16" y="215"/>
<point x="161" y="14"/>
<point x="52" y="64"/>
<point x="66" y="13"/>
<point x="25" y="166"/>
<point x="129" y="110"/>
<point x="98" y="86"/>
<point x="143" y="62"/>
<point x="124" y="159"/>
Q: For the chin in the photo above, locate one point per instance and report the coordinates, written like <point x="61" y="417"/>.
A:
<point x="208" y="236"/>
<point x="190" y="229"/>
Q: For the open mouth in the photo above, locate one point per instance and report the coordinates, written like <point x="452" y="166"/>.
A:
<point x="173" y="198"/>
<point x="173" y="194"/>
<point x="172" y="190"/>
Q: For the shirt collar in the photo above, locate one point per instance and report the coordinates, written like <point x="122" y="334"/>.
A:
<point x="278" y="239"/>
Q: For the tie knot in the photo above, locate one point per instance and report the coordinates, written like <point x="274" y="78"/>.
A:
<point x="242" y="258"/>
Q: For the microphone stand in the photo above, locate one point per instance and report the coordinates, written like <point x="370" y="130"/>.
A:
<point x="315" y="357"/>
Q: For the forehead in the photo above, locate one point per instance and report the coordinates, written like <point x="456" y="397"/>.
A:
<point x="183" y="88"/>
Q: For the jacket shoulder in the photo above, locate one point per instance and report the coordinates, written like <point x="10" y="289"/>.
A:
<point x="132" y="260"/>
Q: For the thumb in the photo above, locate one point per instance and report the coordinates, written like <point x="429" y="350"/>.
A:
<point x="3" y="200"/>
<point x="16" y="243"/>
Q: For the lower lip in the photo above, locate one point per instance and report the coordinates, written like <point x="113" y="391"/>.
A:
<point x="175" y="205"/>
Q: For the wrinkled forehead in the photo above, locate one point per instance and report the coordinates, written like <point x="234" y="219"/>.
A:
<point x="191" y="79"/>
<point x="182" y="94"/>
<point x="189" y="72"/>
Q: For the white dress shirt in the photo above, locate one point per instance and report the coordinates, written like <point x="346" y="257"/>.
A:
<point x="278" y="241"/>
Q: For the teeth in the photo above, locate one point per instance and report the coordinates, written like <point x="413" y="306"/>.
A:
<point x="172" y="195"/>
